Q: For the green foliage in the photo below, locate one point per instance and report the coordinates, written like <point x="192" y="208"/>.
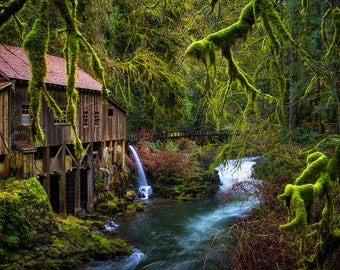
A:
<point x="226" y="38"/>
<point x="13" y="242"/>
<point x="178" y="169"/>
<point x="24" y="212"/>
<point x="316" y="182"/>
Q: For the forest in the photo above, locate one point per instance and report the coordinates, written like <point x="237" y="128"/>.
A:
<point x="266" y="70"/>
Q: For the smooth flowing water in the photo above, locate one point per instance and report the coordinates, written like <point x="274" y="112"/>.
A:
<point x="184" y="235"/>
<point x="143" y="187"/>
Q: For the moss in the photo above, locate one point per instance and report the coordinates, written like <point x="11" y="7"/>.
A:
<point x="316" y="181"/>
<point x="316" y="163"/>
<point x="97" y="68"/>
<point x="224" y="39"/>
<point x="36" y="44"/>
<point x="202" y="50"/>
<point x="334" y="47"/>
<point x="25" y="214"/>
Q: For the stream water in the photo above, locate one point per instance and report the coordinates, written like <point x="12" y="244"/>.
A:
<point x="172" y="235"/>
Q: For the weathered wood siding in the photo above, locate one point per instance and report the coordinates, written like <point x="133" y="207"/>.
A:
<point x="19" y="96"/>
<point x="55" y="133"/>
<point x="110" y="124"/>
<point x="114" y="122"/>
<point x="4" y="121"/>
<point x="91" y="103"/>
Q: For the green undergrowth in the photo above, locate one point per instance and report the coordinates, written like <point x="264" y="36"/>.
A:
<point x="304" y="181"/>
<point x="178" y="169"/>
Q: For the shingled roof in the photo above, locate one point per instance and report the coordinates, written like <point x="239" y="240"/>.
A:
<point x="14" y="64"/>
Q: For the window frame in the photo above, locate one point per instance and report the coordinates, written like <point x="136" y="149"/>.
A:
<point x="96" y="118"/>
<point x="25" y="115"/>
<point x="85" y="118"/>
<point x="62" y="121"/>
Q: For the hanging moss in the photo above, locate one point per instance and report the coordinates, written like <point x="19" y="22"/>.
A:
<point x="299" y="200"/>
<point x="336" y="36"/>
<point x="333" y="167"/>
<point x="204" y="50"/>
<point x="316" y="163"/>
<point x="52" y="104"/>
<point x="35" y="45"/>
<point x="71" y="52"/>
<point x="97" y="68"/>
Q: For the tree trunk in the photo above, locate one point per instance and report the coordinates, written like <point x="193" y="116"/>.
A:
<point x="293" y="79"/>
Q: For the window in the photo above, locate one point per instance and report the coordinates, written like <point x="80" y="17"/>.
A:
<point x="25" y="116"/>
<point x="85" y="118"/>
<point x="96" y="119"/>
<point x="61" y="121"/>
<point x="110" y="112"/>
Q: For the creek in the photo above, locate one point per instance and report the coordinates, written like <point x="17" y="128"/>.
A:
<point x="185" y="235"/>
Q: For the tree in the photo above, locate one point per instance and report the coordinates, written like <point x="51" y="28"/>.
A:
<point x="145" y="73"/>
<point x="276" y="37"/>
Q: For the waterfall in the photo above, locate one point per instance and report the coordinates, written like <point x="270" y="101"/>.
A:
<point x="236" y="171"/>
<point x="143" y="187"/>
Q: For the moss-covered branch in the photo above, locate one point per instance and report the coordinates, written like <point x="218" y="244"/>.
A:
<point x="335" y="45"/>
<point x="71" y="51"/>
<point x="315" y="182"/>
<point x="204" y="50"/>
<point x="36" y="44"/>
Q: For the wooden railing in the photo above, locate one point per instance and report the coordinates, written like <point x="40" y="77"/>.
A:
<point x="200" y="136"/>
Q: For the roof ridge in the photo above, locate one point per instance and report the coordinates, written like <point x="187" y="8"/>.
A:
<point x="14" y="64"/>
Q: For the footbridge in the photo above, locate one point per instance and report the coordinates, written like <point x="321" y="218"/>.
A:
<point x="199" y="136"/>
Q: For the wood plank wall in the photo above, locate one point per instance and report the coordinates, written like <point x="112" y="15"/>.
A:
<point x="4" y="121"/>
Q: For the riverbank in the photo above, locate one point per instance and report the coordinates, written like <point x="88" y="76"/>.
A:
<point x="33" y="237"/>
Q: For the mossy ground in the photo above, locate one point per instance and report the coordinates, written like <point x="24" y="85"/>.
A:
<point x="33" y="237"/>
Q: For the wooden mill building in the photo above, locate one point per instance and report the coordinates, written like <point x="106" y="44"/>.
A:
<point x="69" y="181"/>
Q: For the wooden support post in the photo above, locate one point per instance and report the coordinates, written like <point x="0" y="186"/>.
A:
<point x="62" y="183"/>
<point x="90" y="178"/>
<point x="6" y="163"/>
<point x="114" y="152"/>
<point x="77" y="191"/>
<point x="46" y="171"/>
<point x="123" y="153"/>
<point x="62" y="194"/>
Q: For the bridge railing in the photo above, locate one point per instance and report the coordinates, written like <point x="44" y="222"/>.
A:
<point x="197" y="135"/>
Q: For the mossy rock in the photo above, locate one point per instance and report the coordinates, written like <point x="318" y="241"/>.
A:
<point x="25" y="213"/>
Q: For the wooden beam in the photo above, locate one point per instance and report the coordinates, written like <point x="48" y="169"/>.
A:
<point x="46" y="171"/>
<point x="90" y="178"/>
<point x="77" y="191"/>
<point x="114" y="152"/>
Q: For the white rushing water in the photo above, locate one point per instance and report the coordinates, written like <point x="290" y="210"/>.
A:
<point x="186" y="235"/>
<point x="143" y="187"/>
